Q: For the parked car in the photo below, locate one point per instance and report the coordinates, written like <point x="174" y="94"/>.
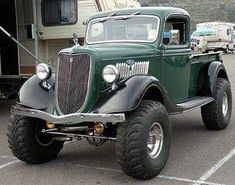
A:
<point x="121" y="86"/>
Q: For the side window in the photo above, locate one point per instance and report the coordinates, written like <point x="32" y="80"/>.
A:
<point x="174" y="32"/>
<point x="59" y="12"/>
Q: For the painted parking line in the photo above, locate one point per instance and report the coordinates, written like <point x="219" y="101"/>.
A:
<point x="8" y="157"/>
<point x="159" y="176"/>
<point x="216" y="167"/>
<point x="187" y="180"/>
<point x="119" y="171"/>
<point x="8" y="164"/>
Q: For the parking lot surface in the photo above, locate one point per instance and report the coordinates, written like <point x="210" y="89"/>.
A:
<point x="198" y="156"/>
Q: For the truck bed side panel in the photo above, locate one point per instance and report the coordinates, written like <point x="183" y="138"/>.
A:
<point x="200" y="63"/>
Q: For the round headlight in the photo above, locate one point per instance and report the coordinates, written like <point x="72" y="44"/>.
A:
<point x="110" y="74"/>
<point x="43" y="71"/>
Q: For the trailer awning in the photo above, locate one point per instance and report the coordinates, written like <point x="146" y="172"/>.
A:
<point x="204" y="32"/>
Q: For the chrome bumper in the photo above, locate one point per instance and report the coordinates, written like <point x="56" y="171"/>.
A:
<point x="69" y="118"/>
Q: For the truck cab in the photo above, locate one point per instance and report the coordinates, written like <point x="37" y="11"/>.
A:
<point x="135" y="69"/>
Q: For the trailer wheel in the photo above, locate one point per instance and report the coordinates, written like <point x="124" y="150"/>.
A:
<point x="28" y="144"/>
<point x="143" y="142"/>
<point x="216" y="115"/>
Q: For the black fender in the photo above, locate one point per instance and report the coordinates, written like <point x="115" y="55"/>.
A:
<point x="129" y="95"/>
<point x="216" y="70"/>
<point x="34" y="95"/>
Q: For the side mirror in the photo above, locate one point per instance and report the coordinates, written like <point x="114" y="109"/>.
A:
<point x="75" y="38"/>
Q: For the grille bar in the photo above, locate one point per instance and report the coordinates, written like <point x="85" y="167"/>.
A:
<point x="72" y="81"/>
<point x="137" y="68"/>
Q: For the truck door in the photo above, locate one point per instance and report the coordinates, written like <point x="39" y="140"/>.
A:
<point x="176" y="64"/>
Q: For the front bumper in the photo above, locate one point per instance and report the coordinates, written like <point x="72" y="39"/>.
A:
<point x="75" y="118"/>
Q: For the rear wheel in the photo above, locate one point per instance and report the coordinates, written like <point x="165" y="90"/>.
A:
<point x="28" y="143"/>
<point x="216" y="115"/>
<point x="143" y="142"/>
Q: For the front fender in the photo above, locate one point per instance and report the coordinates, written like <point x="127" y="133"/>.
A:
<point x="214" y="70"/>
<point x="32" y="94"/>
<point x="129" y="96"/>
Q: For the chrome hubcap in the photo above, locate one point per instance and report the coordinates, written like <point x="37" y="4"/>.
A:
<point x="225" y="104"/>
<point x="155" y="140"/>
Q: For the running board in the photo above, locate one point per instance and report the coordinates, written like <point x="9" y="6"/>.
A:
<point x="195" y="102"/>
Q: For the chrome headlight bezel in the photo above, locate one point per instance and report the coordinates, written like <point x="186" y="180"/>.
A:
<point x="43" y="71"/>
<point x="110" y="74"/>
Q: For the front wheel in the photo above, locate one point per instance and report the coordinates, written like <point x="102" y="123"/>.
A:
<point x="143" y="142"/>
<point x="216" y="115"/>
<point x="28" y="144"/>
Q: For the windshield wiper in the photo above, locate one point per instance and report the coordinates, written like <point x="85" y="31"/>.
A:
<point x="128" y="16"/>
<point x="107" y="18"/>
<point x="123" y="18"/>
<point x="136" y="13"/>
<point x="119" y="18"/>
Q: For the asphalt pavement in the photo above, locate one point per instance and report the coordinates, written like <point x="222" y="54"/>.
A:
<point x="198" y="156"/>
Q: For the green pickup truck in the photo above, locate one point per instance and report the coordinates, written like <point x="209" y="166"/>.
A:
<point x="135" y="69"/>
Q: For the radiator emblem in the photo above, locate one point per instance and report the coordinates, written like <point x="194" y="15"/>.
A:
<point x="131" y="64"/>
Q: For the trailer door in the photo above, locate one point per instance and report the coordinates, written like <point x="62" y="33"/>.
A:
<point x="8" y="49"/>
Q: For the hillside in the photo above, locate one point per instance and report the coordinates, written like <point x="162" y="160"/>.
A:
<point x="200" y="10"/>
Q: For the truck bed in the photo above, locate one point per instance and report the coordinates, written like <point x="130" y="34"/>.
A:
<point x="197" y="61"/>
<point x="197" y="56"/>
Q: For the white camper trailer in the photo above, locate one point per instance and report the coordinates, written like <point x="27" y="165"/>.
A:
<point x="234" y="40"/>
<point x="44" y="27"/>
<point x="214" y="36"/>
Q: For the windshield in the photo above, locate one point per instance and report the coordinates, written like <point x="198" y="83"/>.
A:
<point x="123" y="28"/>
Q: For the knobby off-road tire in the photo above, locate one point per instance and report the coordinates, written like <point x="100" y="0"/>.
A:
<point x="216" y="115"/>
<point x="27" y="143"/>
<point x="134" y="145"/>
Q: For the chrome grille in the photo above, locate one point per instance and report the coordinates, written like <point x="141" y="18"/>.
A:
<point x="137" y="68"/>
<point x="72" y="81"/>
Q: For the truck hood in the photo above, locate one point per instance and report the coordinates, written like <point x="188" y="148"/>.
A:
<point x="114" y="51"/>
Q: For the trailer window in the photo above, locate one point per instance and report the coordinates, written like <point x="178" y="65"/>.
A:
<point x="59" y="12"/>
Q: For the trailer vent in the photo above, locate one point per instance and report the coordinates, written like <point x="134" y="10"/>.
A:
<point x="72" y="82"/>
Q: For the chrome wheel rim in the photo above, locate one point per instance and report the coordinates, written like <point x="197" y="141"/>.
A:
<point x="225" y="104"/>
<point x="155" y="140"/>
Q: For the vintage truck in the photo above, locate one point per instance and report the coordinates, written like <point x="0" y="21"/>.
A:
<point x="135" y="69"/>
